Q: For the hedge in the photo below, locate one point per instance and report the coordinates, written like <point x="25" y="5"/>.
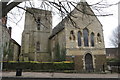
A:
<point x="48" y="66"/>
<point x="113" y="63"/>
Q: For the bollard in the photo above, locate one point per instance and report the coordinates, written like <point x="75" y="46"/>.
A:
<point x="18" y="72"/>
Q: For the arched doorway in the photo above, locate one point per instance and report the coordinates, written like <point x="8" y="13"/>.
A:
<point x="88" y="62"/>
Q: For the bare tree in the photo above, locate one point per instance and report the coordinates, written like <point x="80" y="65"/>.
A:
<point x="115" y="38"/>
<point x="64" y="7"/>
<point x="7" y="6"/>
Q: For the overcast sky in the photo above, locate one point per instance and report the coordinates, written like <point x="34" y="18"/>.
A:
<point x="109" y="22"/>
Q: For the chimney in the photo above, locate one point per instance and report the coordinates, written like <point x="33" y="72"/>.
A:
<point x="10" y="31"/>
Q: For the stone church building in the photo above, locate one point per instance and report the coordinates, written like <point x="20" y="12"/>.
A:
<point x="81" y="42"/>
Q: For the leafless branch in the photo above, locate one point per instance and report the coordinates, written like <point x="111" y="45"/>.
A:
<point x="115" y="38"/>
<point x="63" y="8"/>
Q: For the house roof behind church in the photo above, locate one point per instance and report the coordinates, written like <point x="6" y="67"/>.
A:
<point x="113" y="51"/>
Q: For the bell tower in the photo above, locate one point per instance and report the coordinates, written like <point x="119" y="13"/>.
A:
<point x="37" y="29"/>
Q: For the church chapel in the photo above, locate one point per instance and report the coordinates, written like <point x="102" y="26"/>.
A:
<point x="81" y="42"/>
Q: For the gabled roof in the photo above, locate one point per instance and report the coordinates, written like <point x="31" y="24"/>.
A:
<point x="61" y="26"/>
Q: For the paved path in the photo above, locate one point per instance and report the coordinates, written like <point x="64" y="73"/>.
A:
<point x="60" y="75"/>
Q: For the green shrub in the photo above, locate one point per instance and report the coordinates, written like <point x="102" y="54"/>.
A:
<point x="32" y="66"/>
<point x="113" y="60"/>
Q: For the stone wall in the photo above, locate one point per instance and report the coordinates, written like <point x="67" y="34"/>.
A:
<point x="14" y="50"/>
<point x="58" y="43"/>
<point x="5" y="42"/>
<point x="92" y="25"/>
<point x="36" y="34"/>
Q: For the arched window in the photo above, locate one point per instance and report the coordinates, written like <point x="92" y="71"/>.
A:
<point x="92" y="39"/>
<point x="72" y="36"/>
<point x="99" y="38"/>
<point x="85" y="34"/>
<point x="79" y="38"/>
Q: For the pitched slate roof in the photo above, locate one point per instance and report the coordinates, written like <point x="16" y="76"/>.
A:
<point x="58" y="28"/>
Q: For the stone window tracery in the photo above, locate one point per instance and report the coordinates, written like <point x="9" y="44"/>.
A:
<point x="99" y="38"/>
<point x="72" y="36"/>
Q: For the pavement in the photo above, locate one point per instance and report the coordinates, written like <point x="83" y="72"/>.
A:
<point x="60" y="75"/>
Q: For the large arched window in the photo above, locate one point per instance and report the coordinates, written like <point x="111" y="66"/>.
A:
<point x="85" y="34"/>
<point x="92" y="39"/>
<point x="79" y="38"/>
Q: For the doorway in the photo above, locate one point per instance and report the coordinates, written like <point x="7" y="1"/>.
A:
<point x="88" y="62"/>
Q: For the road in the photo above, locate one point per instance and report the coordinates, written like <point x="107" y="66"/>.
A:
<point x="60" y="75"/>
